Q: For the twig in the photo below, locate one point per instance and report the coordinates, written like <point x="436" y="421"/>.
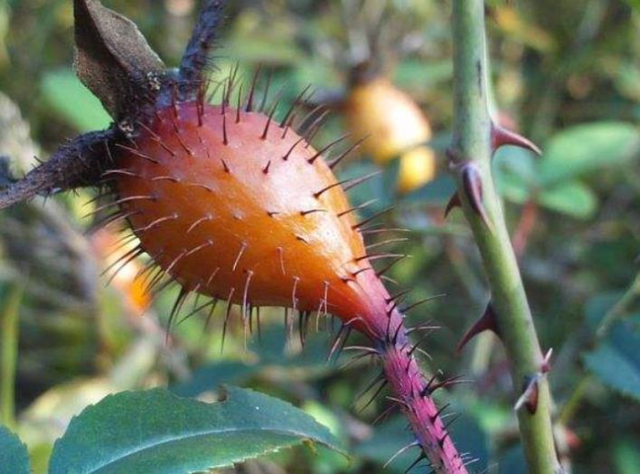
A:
<point x="9" y="355"/>
<point x="470" y="155"/>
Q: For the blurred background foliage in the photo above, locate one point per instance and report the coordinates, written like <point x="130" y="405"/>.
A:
<point x="566" y="73"/>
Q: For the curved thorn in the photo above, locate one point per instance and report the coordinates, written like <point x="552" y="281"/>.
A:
<point x="452" y="204"/>
<point x="501" y="136"/>
<point x="486" y="322"/>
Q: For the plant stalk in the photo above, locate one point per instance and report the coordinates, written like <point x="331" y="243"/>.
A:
<point x="9" y="356"/>
<point x="471" y="150"/>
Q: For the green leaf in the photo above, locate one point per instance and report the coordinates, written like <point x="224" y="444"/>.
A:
<point x="598" y="306"/>
<point x="626" y="456"/>
<point x="74" y="102"/>
<point x="438" y="191"/>
<point x="587" y="148"/>
<point x="516" y="174"/>
<point x="14" y="458"/>
<point x="157" y="432"/>
<point x="513" y="461"/>
<point x="635" y="4"/>
<point x="572" y="198"/>
<point x="417" y="73"/>
<point x="616" y="361"/>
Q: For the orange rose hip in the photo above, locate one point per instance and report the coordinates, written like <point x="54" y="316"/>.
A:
<point x="234" y="206"/>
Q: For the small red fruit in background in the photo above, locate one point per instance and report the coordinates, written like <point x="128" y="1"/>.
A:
<point x="127" y="279"/>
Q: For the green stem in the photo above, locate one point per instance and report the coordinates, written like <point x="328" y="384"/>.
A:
<point x="9" y="356"/>
<point x="616" y="312"/>
<point x="619" y="308"/>
<point x="573" y="402"/>
<point x="472" y="146"/>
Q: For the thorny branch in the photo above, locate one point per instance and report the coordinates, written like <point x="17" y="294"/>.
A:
<point x="475" y="138"/>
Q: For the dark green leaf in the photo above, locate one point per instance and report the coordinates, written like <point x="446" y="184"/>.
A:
<point x="616" y="361"/>
<point x="513" y="462"/>
<point x="586" y="148"/>
<point x="597" y="307"/>
<point x="13" y="454"/>
<point x="156" y="432"/>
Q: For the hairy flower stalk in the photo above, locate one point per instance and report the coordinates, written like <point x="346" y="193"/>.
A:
<point x="475" y="138"/>
<point x="385" y="325"/>
<point x="414" y="395"/>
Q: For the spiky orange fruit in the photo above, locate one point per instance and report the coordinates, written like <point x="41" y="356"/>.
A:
<point x="234" y="206"/>
<point x="395" y="127"/>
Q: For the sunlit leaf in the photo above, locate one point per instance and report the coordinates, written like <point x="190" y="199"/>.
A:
<point x="74" y="102"/>
<point x="571" y="198"/>
<point x="420" y="74"/>
<point x="587" y="148"/>
<point x="515" y="173"/>
<point x="635" y="4"/>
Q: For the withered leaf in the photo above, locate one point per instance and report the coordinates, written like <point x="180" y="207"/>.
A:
<point x="112" y="57"/>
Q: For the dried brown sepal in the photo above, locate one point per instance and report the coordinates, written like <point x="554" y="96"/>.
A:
<point x="486" y="322"/>
<point x="79" y="163"/>
<point x="113" y="59"/>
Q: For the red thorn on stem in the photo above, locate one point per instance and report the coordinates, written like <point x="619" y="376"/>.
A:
<point x="531" y="390"/>
<point x="472" y="186"/>
<point x="501" y="136"/>
<point x="530" y="394"/>
<point x="452" y="204"/>
<point x="487" y="322"/>
<point x="545" y="367"/>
